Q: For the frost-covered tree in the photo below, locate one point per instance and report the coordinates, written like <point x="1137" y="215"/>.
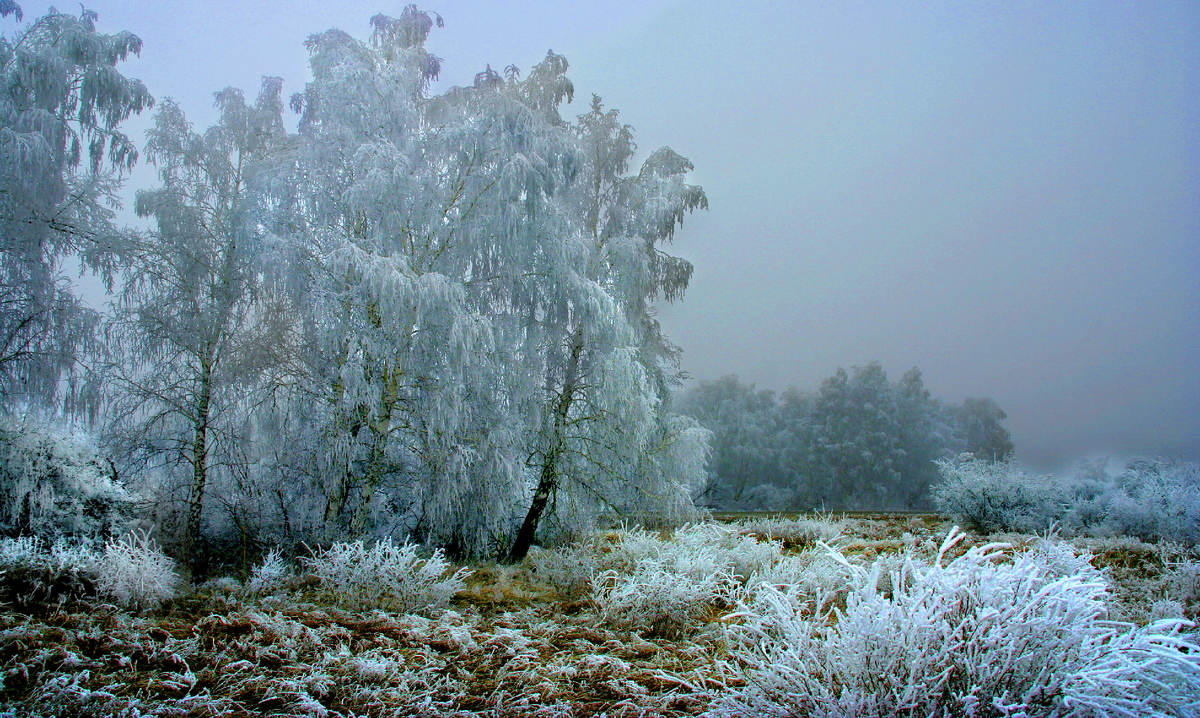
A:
<point x="746" y="452"/>
<point x="62" y="101"/>
<point x="463" y="295"/>
<point x="191" y="328"/>
<point x="382" y="208"/>
<point x="606" y="436"/>
<point x="856" y="442"/>
<point x="978" y="422"/>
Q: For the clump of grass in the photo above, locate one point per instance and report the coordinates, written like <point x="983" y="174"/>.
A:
<point x="36" y="578"/>
<point x="797" y="533"/>
<point x="135" y="573"/>
<point x="386" y="575"/>
<point x="989" y="631"/>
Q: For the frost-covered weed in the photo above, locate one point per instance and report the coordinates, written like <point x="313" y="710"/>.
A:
<point x="269" y="575"/>
<point x="569" y="570"/>
<point x="660" y="601"/>
<point x="135" y="573"/>
<point x="988" y="633"/>
<point x="700" y="550"/>
<point x="386" y="575"/>
<point x="675" y="582"/>
<point x="998" y="496"/>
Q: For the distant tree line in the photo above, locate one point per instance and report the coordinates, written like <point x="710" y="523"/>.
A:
<point x="860" y="442"/>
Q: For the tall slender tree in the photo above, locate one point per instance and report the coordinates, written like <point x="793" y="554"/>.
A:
<point x="191" y="324"/>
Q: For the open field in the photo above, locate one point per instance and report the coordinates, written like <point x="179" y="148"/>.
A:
<point x="626" y="622"/>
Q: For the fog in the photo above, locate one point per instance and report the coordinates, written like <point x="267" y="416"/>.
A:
<point x="1004" y="194"/>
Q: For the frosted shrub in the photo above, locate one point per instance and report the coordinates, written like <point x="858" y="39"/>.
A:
<point x="269" y="575"/>
<point x="53" y="485"/>
<point x="1158" y="500"/>
<point x="660" y="601"/>
<point x="135" y="573"/>
<point x="989" y="633"/>
<point x="700" y="550"/>
<point x="386" y="575"/>
<point x="674" y="583"/>
<point x="998" y="496"/>
<point x="32" y="576"/>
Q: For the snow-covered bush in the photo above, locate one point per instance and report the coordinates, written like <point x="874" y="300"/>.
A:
<point x="998" y="496"/>
<point x="1157" y="500"/>
<point x="135" y="573"/>
<point x="988" y="633"/>
<point x="32" y="576"/>
<point x="665" y="586"/>
<point x="386" y="575"/>
<point x="53" y="484"/>
<point x="270" y="574"/>
<point x="660" y="601"/>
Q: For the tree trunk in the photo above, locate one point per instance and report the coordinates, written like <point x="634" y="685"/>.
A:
<point x="199" y="466"/>
<point x="548" y="481"/>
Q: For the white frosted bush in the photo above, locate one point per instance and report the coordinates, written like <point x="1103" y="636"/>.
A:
<point x="1157" y="500"/>
<point x="990" y="633"/>
<point x="135" y="573"/>
<point x="673" y="583"/>
<point x="658" y="600"/>
<point x="53" y="484"/>
<point x="386" y="575"/>
<point x="700" y="550"/>
<point x="998" y="496"/>
<point x="270" y="574"/>
<point x="32" y="575"/>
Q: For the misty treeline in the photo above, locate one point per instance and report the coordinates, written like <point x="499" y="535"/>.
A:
<point x="860" y="442"/>
<point x="420" y="315"/>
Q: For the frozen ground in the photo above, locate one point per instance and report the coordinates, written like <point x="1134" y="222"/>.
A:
<point x="720" y="619"/>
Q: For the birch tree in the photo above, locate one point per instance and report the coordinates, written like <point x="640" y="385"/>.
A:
<point x="474" y="321"/>
<point x="62" y="101"/>
<point x="607" y="365"/>
<point x="191" y="328"/>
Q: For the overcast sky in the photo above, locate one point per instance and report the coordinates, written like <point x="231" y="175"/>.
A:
<point x="1005" y="194"/>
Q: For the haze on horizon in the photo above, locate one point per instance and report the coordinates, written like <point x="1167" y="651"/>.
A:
<point x="1004" y="194"/>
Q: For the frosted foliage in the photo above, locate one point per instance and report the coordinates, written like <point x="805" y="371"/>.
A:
<point x="53" y="484"/>
<point x="1157" y="500"/>
<point x="992" y="632"/>
<point x="999" y="496"/>
<point x="270" y="574"/>
<point x="61" y="152"/>
<point x="466" y="326"/>
<point x="386" y="575"/>
<point x="192" y="329"/>
<point x="665" y="586"/>
<point x="659" y="601"/>
<point x="135" y="573"/>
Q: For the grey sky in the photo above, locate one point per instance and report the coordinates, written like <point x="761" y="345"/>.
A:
<point x="1005" y="194"/>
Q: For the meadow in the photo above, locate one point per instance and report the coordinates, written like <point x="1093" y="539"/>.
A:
<point x="755" y="615"/>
